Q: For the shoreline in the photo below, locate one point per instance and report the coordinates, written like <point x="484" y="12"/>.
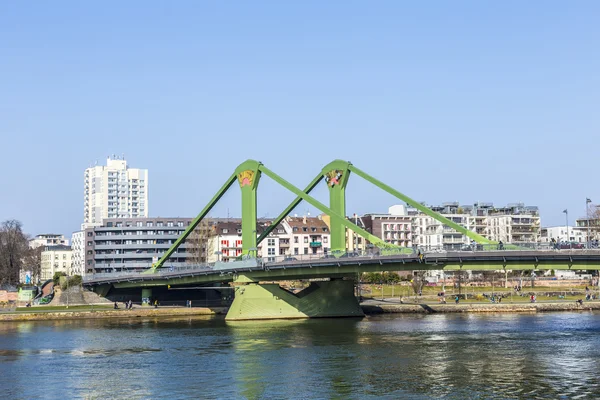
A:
<point x="122" y="314"/>
<point x="382" y="308"/>
<point x="369" y="309"/>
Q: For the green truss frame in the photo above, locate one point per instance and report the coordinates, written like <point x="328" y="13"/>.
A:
<point x="336" y="174"/>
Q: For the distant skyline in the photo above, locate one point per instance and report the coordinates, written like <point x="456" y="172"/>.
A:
<point x="463" y="101"/>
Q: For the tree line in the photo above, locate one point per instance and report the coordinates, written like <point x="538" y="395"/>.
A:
<point x="16" y="255"/>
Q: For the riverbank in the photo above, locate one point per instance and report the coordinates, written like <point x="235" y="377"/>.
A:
<point x="370" y="307"/>
<point x="141" y="312"/>
<point x="373" y="307"/>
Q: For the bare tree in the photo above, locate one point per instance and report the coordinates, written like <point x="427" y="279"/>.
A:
<point x="418" y="281"/>
<point x="459" y="277"/>
<point x="13" y="247"/>
<point x="33" y="261"/>
<point x="593" y="216"/>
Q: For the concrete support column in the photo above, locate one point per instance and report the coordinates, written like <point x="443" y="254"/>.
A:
<point x="146" y="296"/>
<point x="269" y="301"/>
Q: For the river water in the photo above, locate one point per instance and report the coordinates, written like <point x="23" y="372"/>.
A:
<point x="453" y="356"/>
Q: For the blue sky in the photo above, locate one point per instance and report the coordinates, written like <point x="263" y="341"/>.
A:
<point x="445" y="101"/>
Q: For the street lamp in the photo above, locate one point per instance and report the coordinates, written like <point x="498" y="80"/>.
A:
<point x="587" y="214"/>
<point x="567" y="223"/>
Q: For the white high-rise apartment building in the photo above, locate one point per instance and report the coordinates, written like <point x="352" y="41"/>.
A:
<point x="114" y="191"/>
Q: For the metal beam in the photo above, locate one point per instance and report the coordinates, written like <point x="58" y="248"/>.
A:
<point x="289" y="209"/>
<point x="425" y="210"/>
<point x="195" y="222"/>
<point x="320" y="206"/>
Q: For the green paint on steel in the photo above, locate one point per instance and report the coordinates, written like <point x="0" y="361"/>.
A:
<point x="425" y="210"/>
<point x="289" y="209"/>
<point x="269" y="301"/>
<point x="336" y="176"/>
<point x="335" y="271"/>
<point x="146" y="296"/>
<point x="248" y="175"/>
<point x="194" y="223"/>
<point x="320" y="206"/>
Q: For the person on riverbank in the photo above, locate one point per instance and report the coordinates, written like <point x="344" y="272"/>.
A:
<point x="155" y="303"/>
<point x="456" y="299"/>
<point x="116" y="307"/>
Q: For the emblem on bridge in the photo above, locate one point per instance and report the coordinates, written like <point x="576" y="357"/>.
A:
<point x="333" y="177"/>
<point x="245" y="178"/>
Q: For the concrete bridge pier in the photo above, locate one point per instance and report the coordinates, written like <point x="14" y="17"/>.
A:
<point x="146" y="296"/>
<point x="253" y="300"/>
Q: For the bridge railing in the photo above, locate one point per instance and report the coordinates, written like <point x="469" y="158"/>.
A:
<point x="247" y="263"/>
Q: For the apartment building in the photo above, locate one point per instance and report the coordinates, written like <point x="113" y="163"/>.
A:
<point x="55" y="258"/>
<point x="514" y="223"/>
<point x="226" y="240"/>
<point x="133" y="244"/>
<point x="395" y="227"/>
<point x="78" y="253"/>
<point x="559" y="233"/>
<point x="114" y="191"/>
<point x="48" y="239"/>
<point x="307" y="235"/>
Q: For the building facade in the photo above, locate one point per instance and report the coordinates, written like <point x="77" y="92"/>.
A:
<point x="134" y="244"/>
<point x="307" y="236"/>
<point x="114" y="191"/>
<point x="407" y="227"/>
<point x="55" y="259"/>
<point x="78" y="253"/>
<point x="559" y="233"/>
<point x="395" y="227"/>
<point x="48" y="239"/>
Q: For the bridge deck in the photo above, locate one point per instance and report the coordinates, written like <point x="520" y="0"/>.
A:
<point x="348" y="266"/>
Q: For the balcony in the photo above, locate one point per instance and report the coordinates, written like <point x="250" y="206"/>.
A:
<point x="315" y="244"/>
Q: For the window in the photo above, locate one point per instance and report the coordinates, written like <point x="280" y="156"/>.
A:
<point x="119" y="224"/>
<point x="225" y="230"/>
<point x="271" y="242"/>
<point x="304" y="229"/>
<point x="295" y="250"/>
<point x="89" y="243"/>
<point x="159" y="223"/>
<point x="139" y="223"/>
<point x="305" y="239"/>
<point x="149" y="223"/>
<point x="180" y="223"/>
<point x="271" y="251"/>
<point x="313" y="229"/>
<point x="325" y="239"/>
<point x="64" y="256"/>
<point x="324" y="229"/>
<point x="296" y="239"/>
<point x="139" y="233"/>
<point x="170" y="223"/>
<point x="295" y="229"/>
<point x="89" y="234"/>
<point x="306" y="250"/>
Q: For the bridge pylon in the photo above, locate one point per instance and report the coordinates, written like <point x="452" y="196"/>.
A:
<point x="254" y="300"/>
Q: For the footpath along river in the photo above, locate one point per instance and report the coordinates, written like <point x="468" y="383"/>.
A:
<point x="452" y="356"/>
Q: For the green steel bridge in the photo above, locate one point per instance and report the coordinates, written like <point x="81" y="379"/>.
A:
<point x="331" y="294"/>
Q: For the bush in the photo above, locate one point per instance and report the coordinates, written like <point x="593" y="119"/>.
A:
<point x="56" y="277"/>
<point x="75" y="280"/>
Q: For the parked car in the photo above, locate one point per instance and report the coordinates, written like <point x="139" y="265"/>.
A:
<point x="573" y="245"/>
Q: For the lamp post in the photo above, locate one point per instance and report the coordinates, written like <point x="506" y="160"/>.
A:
<point x="567" y="223"/>
<point x="587" y="215"/>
